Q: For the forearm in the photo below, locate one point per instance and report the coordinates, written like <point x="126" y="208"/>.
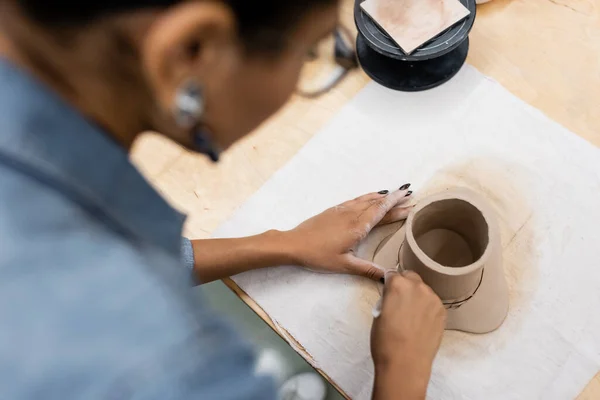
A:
<point x="400" y="383"/>
<point x="220" y="258"/>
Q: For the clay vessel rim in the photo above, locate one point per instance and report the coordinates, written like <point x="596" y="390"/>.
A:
<point x="472" y="199"/>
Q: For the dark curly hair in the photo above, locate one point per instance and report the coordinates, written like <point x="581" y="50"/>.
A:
<point x="260" y="22"/>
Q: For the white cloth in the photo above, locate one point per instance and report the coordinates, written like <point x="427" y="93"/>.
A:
<point x="544" y="183"/>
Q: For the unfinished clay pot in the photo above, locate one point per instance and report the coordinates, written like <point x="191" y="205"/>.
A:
<point x="452" y="241"/>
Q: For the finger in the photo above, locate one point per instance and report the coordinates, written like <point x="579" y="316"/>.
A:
<point x="393" y="275"/>
<point x="373" y="201"/>
<point x="405" y="199"/>
<point x="360" y="267"/>
<point x="379" y="208"/>
<point x="394" y="215"/>
<point x="395" y="284"/>
<point x="412" y="276"/>
<point x="370" y="197"/>
<point x="402" y="196"/>
<point x="365" y="198"/>
<point x="389" y="274"/>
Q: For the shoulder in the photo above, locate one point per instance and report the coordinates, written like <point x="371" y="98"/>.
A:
<point x="88" y="314"/>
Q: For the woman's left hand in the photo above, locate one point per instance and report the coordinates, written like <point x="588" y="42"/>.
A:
<point x="326" y="242"/>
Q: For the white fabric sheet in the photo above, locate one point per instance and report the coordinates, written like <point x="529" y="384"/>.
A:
<point x="544" y="183"/>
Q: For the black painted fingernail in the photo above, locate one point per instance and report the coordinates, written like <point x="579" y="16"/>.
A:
<point x="383" y="192"/>
<point x="405" y="186"/>
<point x="382" y="280"/>
<point x="408" y="193"/>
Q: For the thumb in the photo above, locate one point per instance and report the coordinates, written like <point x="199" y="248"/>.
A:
<point x="412" y="276"/>
<point x="368" y="269"/>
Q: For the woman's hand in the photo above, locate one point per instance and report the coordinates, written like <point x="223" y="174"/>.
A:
<point x="406" y="337"/>
<point x="326" y="242"/>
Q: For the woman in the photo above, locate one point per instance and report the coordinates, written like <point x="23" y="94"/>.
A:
<point x="94" y="299"/>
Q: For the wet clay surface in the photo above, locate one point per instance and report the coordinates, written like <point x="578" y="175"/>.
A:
<point x="505" y="189"/>
<point x="504" y="185"/>
<point x="446" y="247"/>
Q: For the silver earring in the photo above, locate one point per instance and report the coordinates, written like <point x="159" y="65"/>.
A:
<point x="189" y="110"/>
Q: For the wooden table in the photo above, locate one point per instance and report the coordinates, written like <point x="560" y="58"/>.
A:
<point x="547" y="52"/>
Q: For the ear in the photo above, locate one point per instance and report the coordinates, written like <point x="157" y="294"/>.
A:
<point x="189" y="40"/>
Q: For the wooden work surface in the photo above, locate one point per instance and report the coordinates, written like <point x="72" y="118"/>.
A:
<point x="547" y="52"/>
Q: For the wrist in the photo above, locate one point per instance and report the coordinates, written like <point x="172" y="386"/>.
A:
<point x="401" y="381"/>
<point x="219" y="258"/>
<point x="280" y="245"/>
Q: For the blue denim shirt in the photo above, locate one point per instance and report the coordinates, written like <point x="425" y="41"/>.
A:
<point x="95" y="300"/>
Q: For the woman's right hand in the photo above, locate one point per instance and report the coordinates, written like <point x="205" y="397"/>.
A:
<point x="406" y="337"/>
